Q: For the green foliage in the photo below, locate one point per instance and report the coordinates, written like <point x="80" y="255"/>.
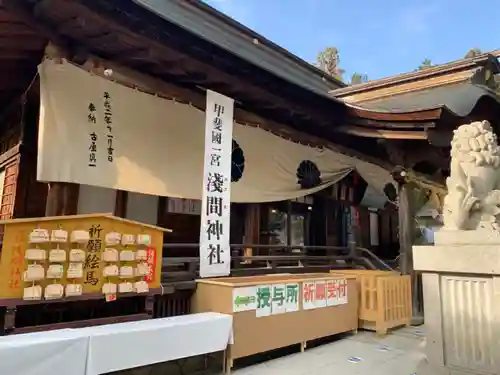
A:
<point x="473" y="52"/>
<point x="329" y="61"/>
<point x="426" y="64"/>
<point x="358" y="78"/>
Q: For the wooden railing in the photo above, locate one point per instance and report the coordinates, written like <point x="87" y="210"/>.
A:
<point x="179" y="271"/>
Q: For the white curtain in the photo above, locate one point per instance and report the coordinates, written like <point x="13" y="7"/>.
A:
<point x="158" y="145"/>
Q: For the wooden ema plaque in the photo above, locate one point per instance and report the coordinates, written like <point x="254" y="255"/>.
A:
<point x="16" y="242"/>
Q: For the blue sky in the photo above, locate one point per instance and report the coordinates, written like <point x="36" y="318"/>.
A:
<point x="378" y="37"/>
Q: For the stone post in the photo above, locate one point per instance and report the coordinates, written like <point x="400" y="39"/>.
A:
<point x="461" y="272"/>
<point x="461" y="287"/>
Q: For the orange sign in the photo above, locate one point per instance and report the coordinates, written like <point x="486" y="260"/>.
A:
<point x="151" y="251"/>
<point x="16" y="265"/>
<point x="110" y="297"/>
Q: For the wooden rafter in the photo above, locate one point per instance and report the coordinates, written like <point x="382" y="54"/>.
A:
<point x="441" y="74"/>
<point x="382" y="133"/>
<point x="429" y="115"/>
<point x="189" y="64"/>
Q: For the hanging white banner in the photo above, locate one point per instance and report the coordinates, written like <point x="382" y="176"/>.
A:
<point x="215" y="253"/>
<point x="109" y="135"/>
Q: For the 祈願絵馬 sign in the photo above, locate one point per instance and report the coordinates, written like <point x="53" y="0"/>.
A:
<point x="215" y="253"/>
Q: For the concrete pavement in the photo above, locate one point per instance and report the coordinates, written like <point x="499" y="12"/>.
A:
<point x="398" y="353"/>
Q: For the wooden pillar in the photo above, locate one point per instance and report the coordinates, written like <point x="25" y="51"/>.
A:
<point x="252" y="227"/>
<point x="55" y="198"/>
<point x="71" y="193"/>
<point x="62" y="199"/>
<point x="288" y="228"/>
<point x="7" y="320"/>
<point x="354" y="238"/>
<point x="406" y="229"/>
<point x="121" y="203"/>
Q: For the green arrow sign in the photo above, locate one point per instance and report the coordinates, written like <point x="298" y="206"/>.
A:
<point x="244" y="301"/>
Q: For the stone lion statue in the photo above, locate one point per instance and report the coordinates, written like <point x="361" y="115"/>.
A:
<point x="473" y="186"/>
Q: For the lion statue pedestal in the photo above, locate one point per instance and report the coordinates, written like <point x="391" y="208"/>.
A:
<point x="461" y="272"/>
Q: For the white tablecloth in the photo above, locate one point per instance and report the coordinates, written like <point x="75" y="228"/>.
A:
<point x="44" y="353"/>
<point x="114" y="347"/>
<point x="122" y="346"/>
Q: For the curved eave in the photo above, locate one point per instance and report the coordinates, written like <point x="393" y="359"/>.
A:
<point x="393" y="116"/>
<point x="438" y="70"/>
<point x="456" y="100"/>
<point x="421" y="114"/>
<point x="410" y="125"/>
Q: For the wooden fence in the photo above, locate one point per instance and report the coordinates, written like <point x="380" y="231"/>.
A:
<point x="385" y="299"/>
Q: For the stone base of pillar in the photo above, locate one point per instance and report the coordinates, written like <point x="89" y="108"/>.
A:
<point x="425" y="368"/>
<point x="417" y="320"/>
<point x="461" y="288"/>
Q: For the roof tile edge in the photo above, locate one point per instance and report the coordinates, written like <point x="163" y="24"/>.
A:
<point x="454" y="66"/>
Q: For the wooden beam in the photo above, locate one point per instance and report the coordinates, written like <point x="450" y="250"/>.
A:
<point x="425" y="115"/>
<point x="19" y="54"/>
<point x="16" y="29"/>
<point x="5" y="16"/>
<point x="41" y="6"/>
<point x="12" y="66"/>
<point x="66" y="27"/>
<point x="148" y="57"/>
<point x="377" y="124"/>
<point x="26" y="16"/>
<point x="146" y="83"/>
<point x="440" y="138"/>
<point x="189" y="63"/>
<point x="25" y="43"/>
<point x="381" y="133"/>
<point x="11" y="84"/>
<point x="9" y="154"/>
<point x="394" y="149"/>
<point x="429" y="154"/>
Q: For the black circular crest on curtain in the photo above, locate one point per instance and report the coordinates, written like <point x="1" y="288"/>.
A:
<point x="308" y="174"/>
<point x="237" y="162"/>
